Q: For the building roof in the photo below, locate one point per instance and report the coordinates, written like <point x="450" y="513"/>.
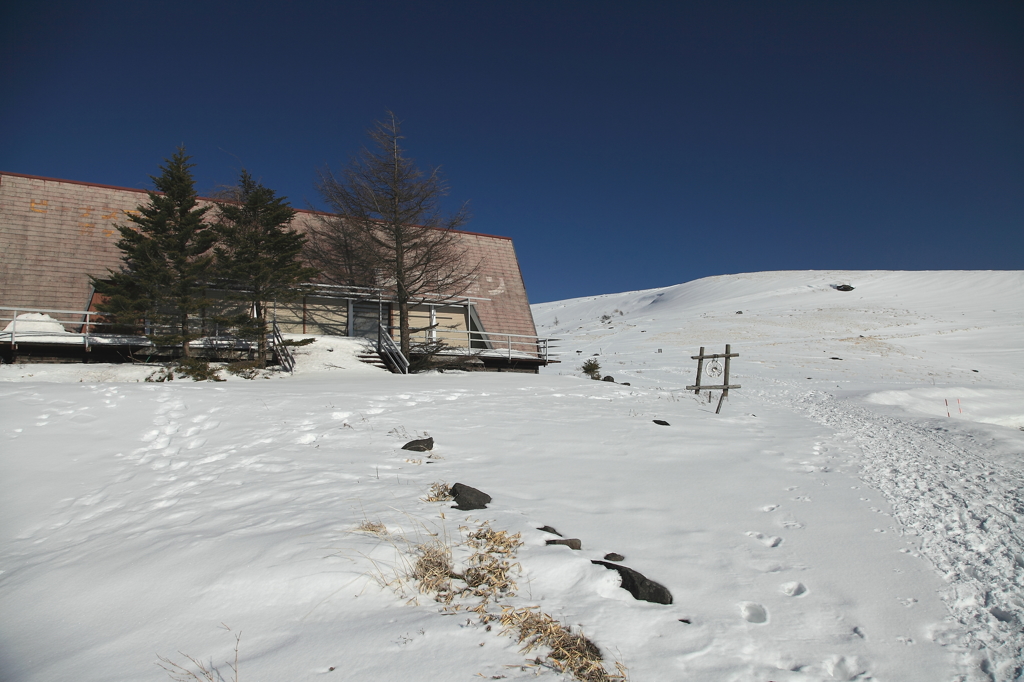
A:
<point x="55" y="233"/>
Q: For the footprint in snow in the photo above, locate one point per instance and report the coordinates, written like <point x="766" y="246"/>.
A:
<point x="793" y="589"/>
<point x="753" y="612"/>
<point x="844" y="667"/>
<point x="769" y="507"/>
<point x="766" y="540"/>
<point x="788" y="521"/>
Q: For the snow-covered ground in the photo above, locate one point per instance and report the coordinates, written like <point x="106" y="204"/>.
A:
<point x="832" y="523"/>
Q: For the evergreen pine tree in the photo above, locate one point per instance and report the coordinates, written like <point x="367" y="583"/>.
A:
<point x="258" y="256"/>
<point x="166" y="260"/>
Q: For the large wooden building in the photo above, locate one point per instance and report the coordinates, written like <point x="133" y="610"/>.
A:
<point x="55" y="234"/>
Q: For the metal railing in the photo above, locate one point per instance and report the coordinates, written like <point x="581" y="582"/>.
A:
<point x="85" y="323"/>
<point x="280" y="349"/>
<point x="387" y="347"/>
<point x="510" y="346"/>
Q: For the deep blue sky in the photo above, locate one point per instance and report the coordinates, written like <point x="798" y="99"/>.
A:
<point x="621" y="145"/>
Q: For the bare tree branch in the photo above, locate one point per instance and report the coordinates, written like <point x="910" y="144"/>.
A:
<point x="388" y="229"/>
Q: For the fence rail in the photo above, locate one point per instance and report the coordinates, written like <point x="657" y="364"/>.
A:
<point x="85" y="324"/>
<point x="511" y="346"/>
<point x="84" y="327"/>
<point x="30" y="328"/>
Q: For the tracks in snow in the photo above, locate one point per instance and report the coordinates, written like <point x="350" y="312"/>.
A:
<point x="966" y="511"/>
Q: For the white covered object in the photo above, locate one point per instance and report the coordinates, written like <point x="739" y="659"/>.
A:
<point x="36" y="322"/>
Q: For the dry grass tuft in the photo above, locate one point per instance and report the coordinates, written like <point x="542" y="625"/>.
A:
<point x="570" y="652"/>
<point x="202" y="673"/>
<point x="439" y="492"/>
<point x="375" y="527"/>
<point x="488" y="580"/>
<point x="487" y="575"/>
<point x="486" y="539"/>
<point x="434" y="571"/>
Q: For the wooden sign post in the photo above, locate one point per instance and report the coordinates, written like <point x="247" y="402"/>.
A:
<point x="725" y="386"/>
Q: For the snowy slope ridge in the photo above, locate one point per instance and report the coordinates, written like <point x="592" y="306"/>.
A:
<point x="832" y="523"/>
<point x="901" y="326"/>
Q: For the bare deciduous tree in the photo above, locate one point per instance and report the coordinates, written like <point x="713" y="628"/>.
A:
<point x="388" y="229"/>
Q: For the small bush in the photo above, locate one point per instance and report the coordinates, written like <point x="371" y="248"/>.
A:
<point x="298" y="342"/>
<point x="247" y="369"/>
<point x="196" y="369"/>
<point x="592" y="368"/>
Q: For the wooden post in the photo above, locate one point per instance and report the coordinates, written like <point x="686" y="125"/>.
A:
<point x="700" y="368"/>
<point x="725" y="391"/>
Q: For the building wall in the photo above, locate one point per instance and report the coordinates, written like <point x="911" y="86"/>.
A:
<point x="54" y="234"/>
<point x="318" y="315"/>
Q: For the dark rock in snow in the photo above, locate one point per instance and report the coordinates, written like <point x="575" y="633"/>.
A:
<point x="549" y="529"/>
<point x="609" y="378"/>
<point x="844" y="287"/>
<point x="468" y="498"/>
<point x="571" y="543"/>
<point x="661" y="422"/>
<point x="614" y="556"/>
<point x="640" y="586"/>
<point x="625" y="383"/>
<point x="421" y="445"/>
<point x="739" y="312"/>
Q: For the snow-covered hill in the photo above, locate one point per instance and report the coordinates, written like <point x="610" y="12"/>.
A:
<point x="907" y="327"/>
<point x="832" y="523"/>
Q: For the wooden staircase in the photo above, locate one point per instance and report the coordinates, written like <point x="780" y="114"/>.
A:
<point x="371" y="357"/>
<point x="386" y="354"/>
